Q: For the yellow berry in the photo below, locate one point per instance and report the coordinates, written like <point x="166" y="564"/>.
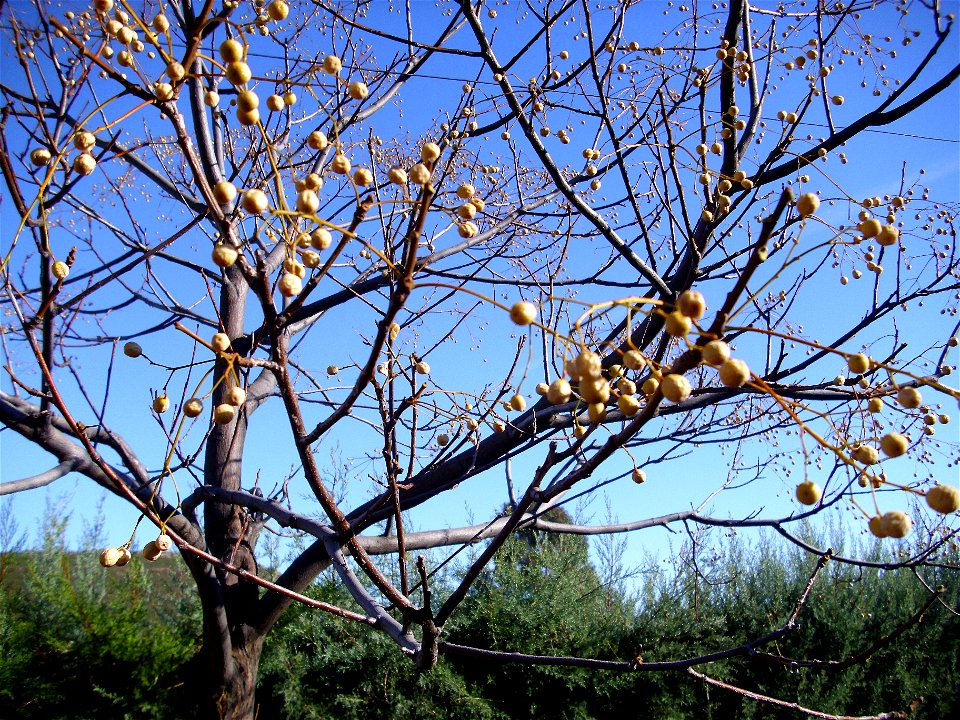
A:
<point x="894" y="444"/>
<point x="60" y="270"/>
<point x="909" y="397"/>
<point x="858" y="363"/>
<point x="559" y="391"/>
<point x="675" y="388"/>
<point x="677" y="324"/>
<point x="161" y="404"/>
<point x="807" y="204"/>
<point x="809" y="493"/>
<point x="734" y="373"/>
<point x="523" y="313"/>
<point x="224" y="255"/>
<point x="231" y="51"/>
<point x="944" y="499"/>
<point x="715" y="353"/>
<point x="628" y="404"/>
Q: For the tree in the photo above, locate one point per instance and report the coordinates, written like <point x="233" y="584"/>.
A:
<point x="292" y="227"/>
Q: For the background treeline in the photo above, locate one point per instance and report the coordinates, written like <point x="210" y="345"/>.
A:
<point x="80" y="642"/>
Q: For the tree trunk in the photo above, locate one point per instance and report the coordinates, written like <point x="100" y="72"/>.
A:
<point x="233" y="686"/>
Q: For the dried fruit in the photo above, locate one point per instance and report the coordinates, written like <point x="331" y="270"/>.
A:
<point x="807" y="204"/>
<point x="944" y="499"/>
<point x="224" y="413"/>
<point x="231" y="51"/>
<point x="734" y="373"/>
<point x="518" y="402"/>
<point x="638" y="476"/>
<point x="289" y="285"/>
<point x="628" y="404"/>
<point x="869" y="227"/>
<point x="224" y="255"/>
<point x="332" y="65"/>
<point x="220" y="342"/>
<point x="909" y="397"/>
<point x="443" y="439"/>
<point x="60" y="270"/>
<point x="866" y="454"/>
<point x="124" y="558"/>
<point x="84" y="164"/>
<point x="896" y="524"/>
<point x="193" y="407"/>
<point x="809" y="493"/>
<point x="715" y="353"/>
<point x="858" y="363"/>
<point x="677" y="324"/>
<point x="132" y="349"/>
<point x="876" y="527"/>
<point x="692" y="304"/>
<point x="340" y="164"/>
<point x="224" y="192"/>
<point x="523" y="313"/>
<point x="151" y="552"/>
<point x="163" y="542"/>
<point x="320" y="239"/>
<point x="466" y="191"/>
<point x="358" y="90"/>
<point x="419" y="174"/>
<point x="634" y="360"/>
<point x="888" y="235"/>
<point x="559" y="391"/>
<point x="110" y="556"/>
<point x="40" y="157"/>
<point x="429" y="152"/>
<point x="894" y="444"/>
<point x="254" y="201"/>
<point x="675" y="388"/>
<point x="235" y="396"/>
<point x="161" y="403"/>
<point x="238" y="72"/>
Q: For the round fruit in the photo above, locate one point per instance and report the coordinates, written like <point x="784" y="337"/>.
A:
<point x="224" y="413"/>
<point x="809" y="493"/>
<point x="429" y="152"/>
<point x="875" y="405"/>
<point x="224" y="255"/>
<point x="807" y="204"/>
<point x="888" y="235"/>
<point x="715" y="353"/>
<point x="320" y="239"/>
<point x="467" y="230"/>
<point x="443" y="439"/>
<point x="910" y="398"/>
<point x="40" y="157"/>
<point x="597" y="412"/>
<point x="466" y="191"/>
<point x="340" y="164"/>
<point x="896" y="524"/>
<point x="594" y="389"/>
<point x="84" y="164"/>
<point x="629" y="405"/>
<point x="254" y="201"/>
<point x="60" y="270"/>
<point x="124" y="558"/>
<point x="675" y="388"/>
<point x="84" y="140"/>
<point x="678" y="324"/>
<point x="876" y="527"/>
<point x="634" y="360"/>
<point x="224" y="192"/>
<point x="858" y="363"/>
<point x="278" y="10"/>
<point x="734" y="373"/>
<point x="944" y="499"/>
<point x="866" y="454"/>
<point x="626" y="387"/>
<point x="363" y="177"/>
<point x="541" y="389"/>
<point x="358" y="90"/>
<point x="467" y="211"/>
<point x="289" y="285"/>
<point x="193" y="407"/>
<point x="559" y="391"/>
<point x="397" y="175"/>
<point x="231" y="51"/>
<point x="220" y="342"/>
<point x="588" y="364"/>
<point x="248" y="118"/>
<point x="692" y="304"/>
<point x="161" y="404"/>
<point x="132" y="349"/>
<point x="238" y="72"/>
<point x="151" y="552"/>
<point x="308" y="202"/>
<point x="869" y="227"/>
<point x="110" y="556"/>
<point x="518" y="402"/>
<point x="332" y="65"/>
<point x="419" y="174"/>
<point x="163" y="542"/>
<point x="523" y="313"/>
<point x="638" y="476"/>
<point x="894" y="444"/>
<point x="650" y="386"/>
<point x="317" y="140"/>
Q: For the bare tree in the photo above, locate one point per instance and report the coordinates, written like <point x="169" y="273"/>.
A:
<point x="283" y="216"/>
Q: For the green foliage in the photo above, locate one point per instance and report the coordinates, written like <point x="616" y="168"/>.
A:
<point x="78" y="641"/>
